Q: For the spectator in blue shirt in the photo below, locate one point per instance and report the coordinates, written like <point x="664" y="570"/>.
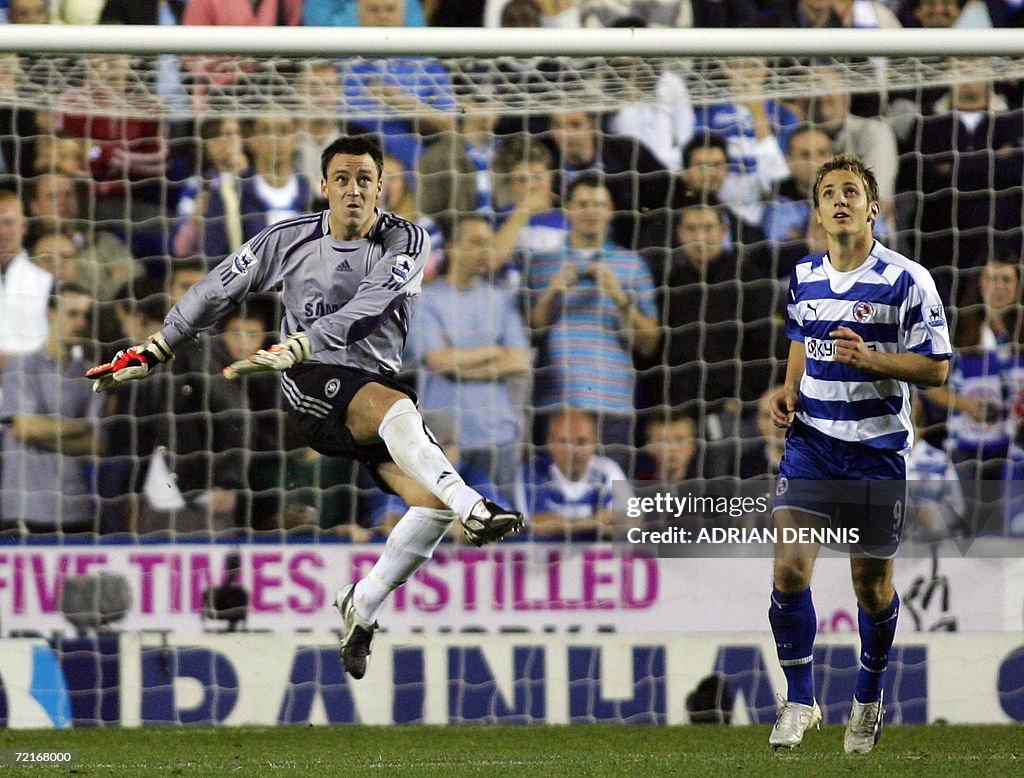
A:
<point x="404" y="99"/>
<point x="786" y="214"/>
<point x="470" y="337"/>
<point x="345" y="13"/>
<point x="566" y="492"/>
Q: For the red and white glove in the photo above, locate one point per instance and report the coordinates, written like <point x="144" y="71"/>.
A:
<point x="131" y="364"/>
<point x="279" y="357"/>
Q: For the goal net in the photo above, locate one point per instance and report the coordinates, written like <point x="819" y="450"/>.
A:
<point x="139" y="169"/>
<point x="121" y="161"/>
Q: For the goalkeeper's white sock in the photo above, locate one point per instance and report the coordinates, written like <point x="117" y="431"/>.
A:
<point x="410" y="546"/>
<point x="405" y="434"/>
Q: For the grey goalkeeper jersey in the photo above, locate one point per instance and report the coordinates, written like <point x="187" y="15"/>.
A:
<point x="353" y="299"/>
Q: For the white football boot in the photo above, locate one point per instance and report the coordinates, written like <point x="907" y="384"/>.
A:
<point x="357" y="634"/>
<point x="864" y="727"/>
<point x="794" y="719"/>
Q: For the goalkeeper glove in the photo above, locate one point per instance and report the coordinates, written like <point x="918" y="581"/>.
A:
<point x="131" y="364"/>
<point x="279" y="357"/>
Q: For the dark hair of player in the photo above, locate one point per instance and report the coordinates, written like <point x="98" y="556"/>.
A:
<point x="356" y="145"/>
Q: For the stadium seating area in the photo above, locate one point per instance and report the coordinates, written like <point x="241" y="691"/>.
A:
<point x="134" y="176"/>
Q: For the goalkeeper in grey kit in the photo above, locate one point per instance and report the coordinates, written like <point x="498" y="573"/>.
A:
<point x="349" y="278"/>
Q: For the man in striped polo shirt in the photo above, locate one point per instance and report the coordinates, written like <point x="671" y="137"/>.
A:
<point x="594" y="303"/>
<point x="349" y="280"/>
<point x="865" y="322"/>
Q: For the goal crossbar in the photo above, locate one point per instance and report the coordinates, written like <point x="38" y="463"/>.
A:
<point x="447" y="42"/>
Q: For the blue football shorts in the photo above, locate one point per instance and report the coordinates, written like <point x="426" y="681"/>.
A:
<point x="845" y="486"/>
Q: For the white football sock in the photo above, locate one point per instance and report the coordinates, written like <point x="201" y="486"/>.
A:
<point x="410" y="546"/>
<point x="403" y="431"/>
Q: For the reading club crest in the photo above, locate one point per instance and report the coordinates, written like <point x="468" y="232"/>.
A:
<point x="782" y="486"/>
<point x="863" y="311"/>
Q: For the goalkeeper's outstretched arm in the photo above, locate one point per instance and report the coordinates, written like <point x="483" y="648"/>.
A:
<point x="131" y="364"/>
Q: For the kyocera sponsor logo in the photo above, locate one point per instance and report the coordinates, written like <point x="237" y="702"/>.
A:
<point x="821" y="350"/>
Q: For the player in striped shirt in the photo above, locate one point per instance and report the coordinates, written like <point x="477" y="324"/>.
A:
<point x="349" y="279"/>
<point x="865" y="322"/>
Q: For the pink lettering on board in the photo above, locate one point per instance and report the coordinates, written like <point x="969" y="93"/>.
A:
<point x="470" y="559"/>
<point x="631" y="596"/>
<point x="422" y="601"/>
<point x="85" y="561"/>
<point x="263" y="582"/>
<point x="147" y="564"/>
<point x="49" y="596"/>
<point x="593" y="578"/>
<point x="19" y="584"/>
<point x="498" y="558"/>
<point x="520" y="573"/>
<point x="175" y="583"/>
<point x="360" y="564"/>
<point x="307" y="582"/>
<point x="555" y="600"/>
<point x="200" y="579"/>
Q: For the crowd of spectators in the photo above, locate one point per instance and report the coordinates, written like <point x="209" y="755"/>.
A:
<point x="606" y="290"/>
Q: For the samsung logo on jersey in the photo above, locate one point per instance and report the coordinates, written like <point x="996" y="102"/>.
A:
<point x="316" y="310"/>
<point x="821" y="350"/>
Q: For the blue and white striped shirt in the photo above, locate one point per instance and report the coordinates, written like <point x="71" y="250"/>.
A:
<point x="585" y="361"/>
<point x="892" y="303"/>
<point x="994" y="372"/>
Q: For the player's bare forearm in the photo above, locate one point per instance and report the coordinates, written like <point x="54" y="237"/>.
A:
<point x="543" y="312"/>
<point x="432" y="120"/>
<point x="610" y="523"/>
<point x="554" y="525"/>
<point x="913" y="368"/>
<point x="506" y="238"/>
<point x="512" y="361"/>
<point x="456" y="360"/>
<point x="546" y="525"/>
<point x="944" y="397"/>
<point x="81" y="446"/>
<point x="509" y="361"/>
<point x="796" y="364"/>
<point x="53" y="433"/>
<point x="784" y="404"/>
<point x="644" y="330"/>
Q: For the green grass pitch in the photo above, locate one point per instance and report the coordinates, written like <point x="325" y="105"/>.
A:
<point x="551" y="752"/>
